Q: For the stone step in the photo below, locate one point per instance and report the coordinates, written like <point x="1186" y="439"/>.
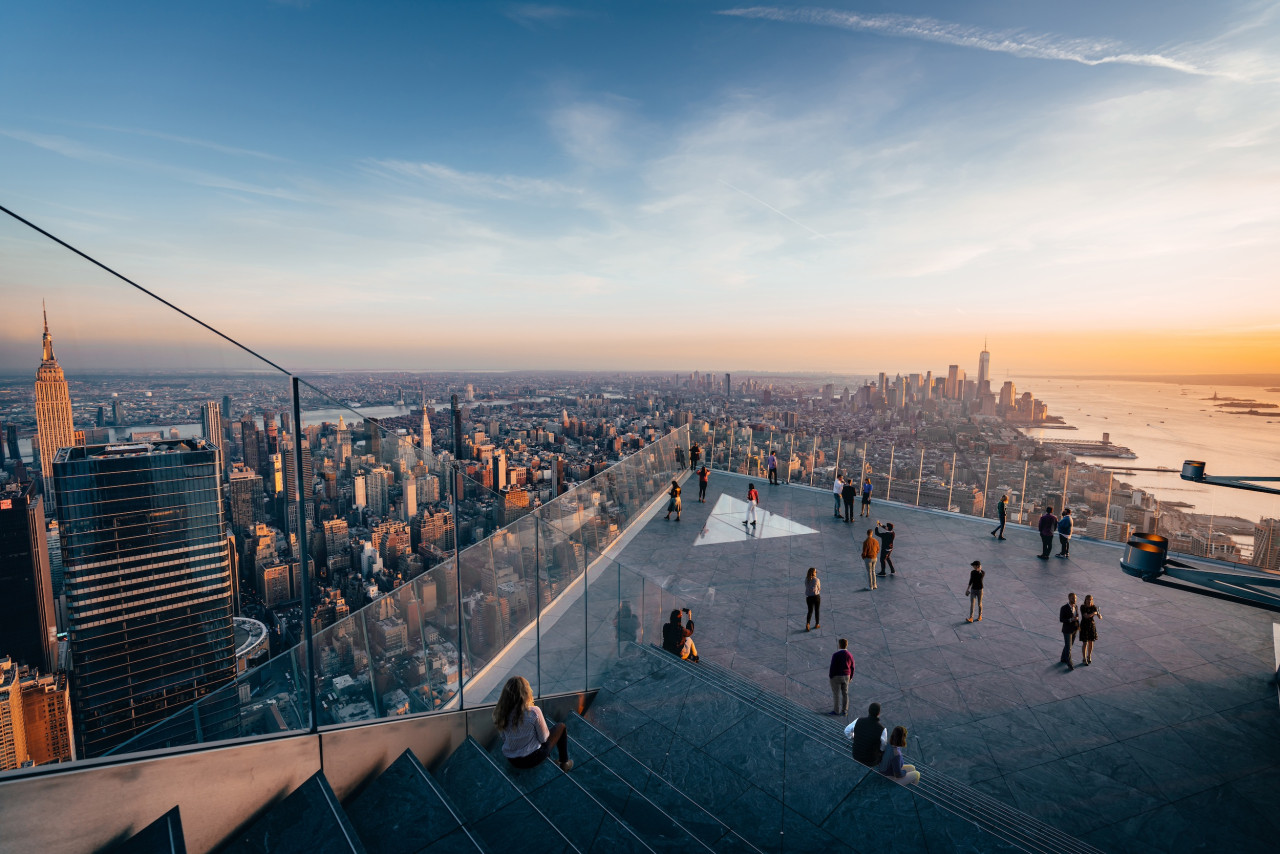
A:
<point x="309" y="821"/>
<point x="701" y="824"/>
<point x="404" y="811"/>
<point x="590" y="822"/>
<point x="729" y="759"/>
<point x="162" y="836"/>
<point x="967" y="804"/>
<point x="495" y="811"/>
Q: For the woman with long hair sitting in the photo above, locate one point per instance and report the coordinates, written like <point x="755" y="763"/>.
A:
<point x="892" y="765"/>
<point x="526" y="741"/>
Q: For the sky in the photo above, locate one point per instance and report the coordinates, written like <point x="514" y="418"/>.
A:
<point x="1092" y="187"/>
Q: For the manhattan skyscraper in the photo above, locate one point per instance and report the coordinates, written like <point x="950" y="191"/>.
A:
<point x="54" y="428"/>
<point x="148" y="586"/>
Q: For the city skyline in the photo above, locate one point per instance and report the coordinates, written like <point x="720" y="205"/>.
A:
<point x="807" y="185"/>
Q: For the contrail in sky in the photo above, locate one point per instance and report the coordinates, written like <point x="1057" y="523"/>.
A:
<point x="775" y="210"/>
<point x="1030" y="45"/>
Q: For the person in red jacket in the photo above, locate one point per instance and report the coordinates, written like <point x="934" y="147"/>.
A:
<point x="840" y="672"/>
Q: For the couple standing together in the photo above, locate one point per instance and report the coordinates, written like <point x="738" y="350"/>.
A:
<point x="845" y="490"/>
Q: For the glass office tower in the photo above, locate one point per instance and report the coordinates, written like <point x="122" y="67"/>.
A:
<point x="28" y="633"/>
<point x="148" y="586"/>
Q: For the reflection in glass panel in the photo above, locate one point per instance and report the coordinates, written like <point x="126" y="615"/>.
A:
<point x="605" y="618"/>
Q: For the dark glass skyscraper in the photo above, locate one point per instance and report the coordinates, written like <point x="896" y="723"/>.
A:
<point x="148" y="587"/>
<point x="27" y="630"/>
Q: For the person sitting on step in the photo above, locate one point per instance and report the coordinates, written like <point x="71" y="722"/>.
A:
<point x="869" y="737"/>
<point x="891" y="764"/>
<point x="677" y="639"/>
<point x="526" y="741"/>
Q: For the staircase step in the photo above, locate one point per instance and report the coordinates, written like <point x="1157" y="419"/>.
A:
<point x="726" y="758"/>
<point x="309" y="821"/>
<point x="162" y="836"/>
<point x="693" y="818"/>
<point x="592" y="823"/>
<point x="495" y="811"/>
<point x="404" y="811"/>
<point x="962" y="811"/>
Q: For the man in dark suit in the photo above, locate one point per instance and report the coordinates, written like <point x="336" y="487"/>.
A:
<point x="1069" y="616"/>
<point x="1048" y="527"/>
<point x="849" y="493"/>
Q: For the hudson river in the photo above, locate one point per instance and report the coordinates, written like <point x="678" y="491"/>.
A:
<point x="1166" y="423"/>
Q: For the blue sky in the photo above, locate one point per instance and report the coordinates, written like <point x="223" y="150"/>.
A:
<point x="840" y="186"/>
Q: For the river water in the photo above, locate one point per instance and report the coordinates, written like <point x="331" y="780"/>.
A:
<point x="1166" y="423"/>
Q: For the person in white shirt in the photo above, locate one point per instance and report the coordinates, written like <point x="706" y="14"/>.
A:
<point x="526" y="741"/>
<point x="836" y="489"/>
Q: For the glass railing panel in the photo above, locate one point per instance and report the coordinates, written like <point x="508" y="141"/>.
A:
<point x="515" y="604"/>
<point x="273" y="698"/>
<point x="122" y="377"/>
<point x="630" y="621"/>
<point x="347" y="659"/>
<point x="605" y="618"/>
<point x="656" y="607"/>
<point x="401" y="669"/>
<point x="562" y="664"/>
<point x="438" y="587"/>
<point x="381" y="516"/>
<point x="484" y="627"/>
<point x="718" y="446"/>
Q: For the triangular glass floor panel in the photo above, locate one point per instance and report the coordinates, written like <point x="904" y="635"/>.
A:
<point x="725" y="524"/>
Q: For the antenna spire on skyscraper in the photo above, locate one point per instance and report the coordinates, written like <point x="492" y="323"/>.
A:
<point x="426" y="423"/>
<point x="47" y="340"/>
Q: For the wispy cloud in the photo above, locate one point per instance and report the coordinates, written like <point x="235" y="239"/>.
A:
<point x="1014" y="42"/>
<point x="481" y="184"/>
<point x="77" y="150"/>
<point x="186" y="140"/>
<point x="531" y="14"/>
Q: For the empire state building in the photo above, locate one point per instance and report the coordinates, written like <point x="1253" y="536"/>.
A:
<point x="53" y="411"/>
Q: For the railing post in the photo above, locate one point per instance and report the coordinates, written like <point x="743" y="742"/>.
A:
<point x="920" y="476"/>
<point x="888" y="490"/>
<point x="986" y="485"/>
<point x="952" y="487"/>
<point x="1106" y="516"/>
<point x="1022" y="496"/>
<point x="791" y="455"/>
<point x="813" y="460"/>
<point x="537" y="606"/>
<point x="300" y="496"/>
<point x="454" y="479"/>
<point x="1066" y="473"/>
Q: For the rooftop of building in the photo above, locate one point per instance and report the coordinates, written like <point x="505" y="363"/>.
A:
<point x="249" y="633"/>
<point x="129" y="449"/>
<point x="1172" y="735"/>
